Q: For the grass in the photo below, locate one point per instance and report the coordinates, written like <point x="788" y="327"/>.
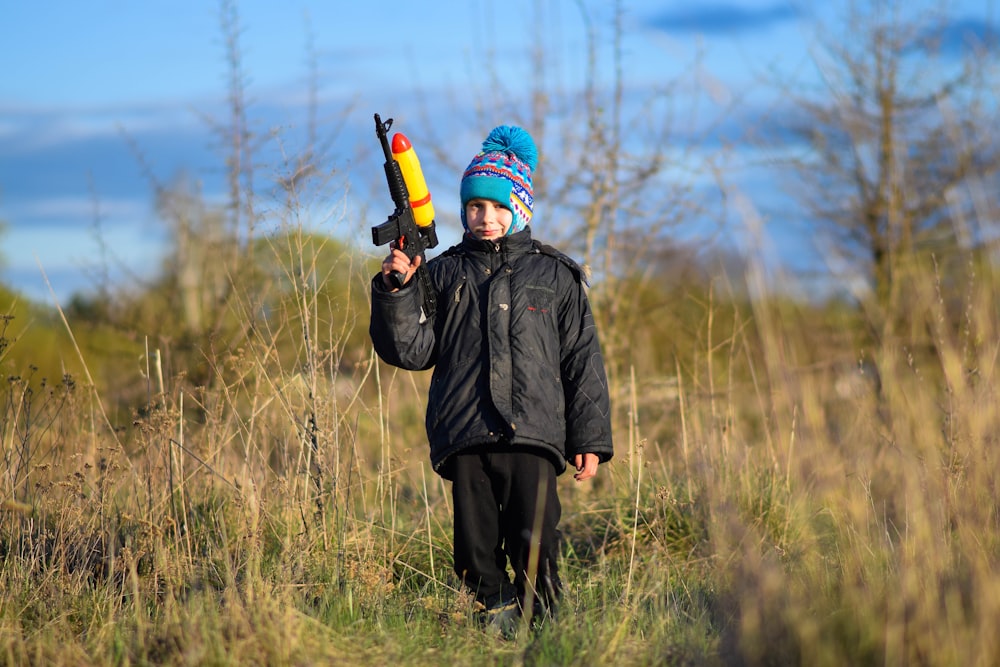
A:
<point x="275" y="516"/>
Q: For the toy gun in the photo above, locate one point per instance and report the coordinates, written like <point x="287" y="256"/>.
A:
<point x="411" y="225"/>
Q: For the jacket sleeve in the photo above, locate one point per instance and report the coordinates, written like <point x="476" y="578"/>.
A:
<point x="401" y="335"/>
<point x="585" y="383"/>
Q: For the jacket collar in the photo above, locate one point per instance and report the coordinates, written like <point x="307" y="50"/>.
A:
<point x="519" y="242"/>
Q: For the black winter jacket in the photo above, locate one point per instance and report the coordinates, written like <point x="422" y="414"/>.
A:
<point x="514" y="349"/>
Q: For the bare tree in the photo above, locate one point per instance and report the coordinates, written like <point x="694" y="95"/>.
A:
<point x="897" y="138"/>
<point x="623" y="183"/>
<point x="617" y="173"/>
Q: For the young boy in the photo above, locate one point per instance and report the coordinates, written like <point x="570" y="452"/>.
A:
<point x="518" y="387"/>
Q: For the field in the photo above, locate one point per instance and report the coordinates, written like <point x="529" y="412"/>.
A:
<point x="774" y="500"/>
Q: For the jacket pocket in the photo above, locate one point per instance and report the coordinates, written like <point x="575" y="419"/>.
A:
<point x="539" y="299"/>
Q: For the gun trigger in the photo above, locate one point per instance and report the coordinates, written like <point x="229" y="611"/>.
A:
<point x="401" y="243"/>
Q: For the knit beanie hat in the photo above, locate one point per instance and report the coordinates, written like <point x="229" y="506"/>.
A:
<point x="502" y="172"/>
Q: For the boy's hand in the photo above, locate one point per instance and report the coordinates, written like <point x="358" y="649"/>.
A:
<point x="398" y="262"/>
<point x="586" y="466"/>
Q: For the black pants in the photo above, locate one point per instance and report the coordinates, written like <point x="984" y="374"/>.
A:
<point x="506" y="507"/>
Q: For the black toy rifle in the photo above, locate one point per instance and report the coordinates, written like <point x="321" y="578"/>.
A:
<point x="401" y="227"/>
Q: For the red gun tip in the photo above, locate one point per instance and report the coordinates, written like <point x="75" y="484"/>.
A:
<point x="400" y="143"/>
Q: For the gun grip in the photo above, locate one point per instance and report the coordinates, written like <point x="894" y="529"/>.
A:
<point x="397" y="279"/>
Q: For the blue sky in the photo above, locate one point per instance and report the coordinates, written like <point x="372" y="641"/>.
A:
<point x="95" y="93"/>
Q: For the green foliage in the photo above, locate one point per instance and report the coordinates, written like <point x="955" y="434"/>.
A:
<point x="33" y="336"/>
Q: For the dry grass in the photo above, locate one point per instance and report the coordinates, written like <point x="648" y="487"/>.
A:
<point x="286" y="515"/>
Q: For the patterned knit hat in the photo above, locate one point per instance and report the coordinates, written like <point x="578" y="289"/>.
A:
<point x="502" y="172"/>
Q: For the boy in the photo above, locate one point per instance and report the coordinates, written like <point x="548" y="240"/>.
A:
<point x="518" y="387"/>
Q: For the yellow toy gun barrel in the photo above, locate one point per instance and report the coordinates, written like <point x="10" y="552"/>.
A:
<point x="413" y="176"/>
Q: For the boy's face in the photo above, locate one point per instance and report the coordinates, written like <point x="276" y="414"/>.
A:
<point x="487" y="220"/>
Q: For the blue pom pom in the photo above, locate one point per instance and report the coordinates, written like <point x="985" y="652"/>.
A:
<point x="512" y="139"/>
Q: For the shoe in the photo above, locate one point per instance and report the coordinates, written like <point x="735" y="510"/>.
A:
<point x="502" y="618"/>
<point x="542" y="615"/>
